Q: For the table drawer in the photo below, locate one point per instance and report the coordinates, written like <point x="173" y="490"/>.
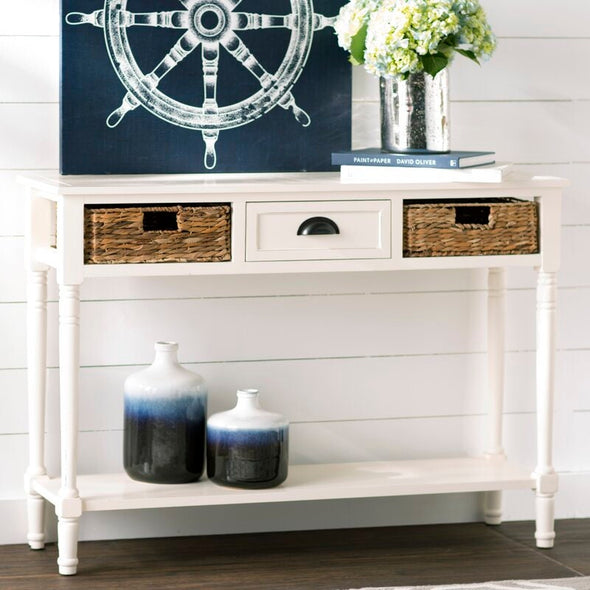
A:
<point x="318" y="230"/>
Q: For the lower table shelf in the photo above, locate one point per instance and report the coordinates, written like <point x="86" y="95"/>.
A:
<point x="305" y="482"/>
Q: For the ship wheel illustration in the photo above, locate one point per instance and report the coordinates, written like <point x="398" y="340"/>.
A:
<point x="211" y="26"/>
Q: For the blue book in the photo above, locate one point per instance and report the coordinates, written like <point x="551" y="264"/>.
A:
<point x="375" y="157"/>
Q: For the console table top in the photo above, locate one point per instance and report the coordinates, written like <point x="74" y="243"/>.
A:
<point x="54" y="183"/>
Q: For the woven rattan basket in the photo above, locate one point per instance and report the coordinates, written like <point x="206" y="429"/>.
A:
<point x="470" y="228"/>
<point x="167" y="233"/>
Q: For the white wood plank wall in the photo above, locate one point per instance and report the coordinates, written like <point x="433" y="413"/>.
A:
<point x="366" y="367"/>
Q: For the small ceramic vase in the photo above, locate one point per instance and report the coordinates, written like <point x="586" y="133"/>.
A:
<point x="247" y="447"/>
<point x="165" y="420"/>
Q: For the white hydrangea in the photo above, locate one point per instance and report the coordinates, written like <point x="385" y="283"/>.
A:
<point x="351" y="18"/>
<point x="402" y="33"/>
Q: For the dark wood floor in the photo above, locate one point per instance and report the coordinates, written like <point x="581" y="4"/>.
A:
<point x="317" y="560"/>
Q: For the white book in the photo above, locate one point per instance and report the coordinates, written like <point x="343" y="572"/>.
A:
<point x="384" y="174"/>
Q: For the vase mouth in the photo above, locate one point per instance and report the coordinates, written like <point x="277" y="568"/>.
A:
<point x="166" y="346"/>
<point x="247" y="392"/>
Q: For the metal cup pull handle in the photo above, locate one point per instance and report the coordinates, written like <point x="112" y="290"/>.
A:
<point x="317" y="226"/>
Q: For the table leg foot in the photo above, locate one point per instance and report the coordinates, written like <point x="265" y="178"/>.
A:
<point x="492" y="512"/>
<point x="36" y="517"/>
<point x="67" y="531"/>
<point x="545" y="521"/>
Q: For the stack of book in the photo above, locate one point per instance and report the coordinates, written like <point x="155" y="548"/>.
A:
<point x="373" y="165"/>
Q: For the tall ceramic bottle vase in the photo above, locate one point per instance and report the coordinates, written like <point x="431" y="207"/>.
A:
<point x="165" y="420"/>
<point x="247" y="447"/>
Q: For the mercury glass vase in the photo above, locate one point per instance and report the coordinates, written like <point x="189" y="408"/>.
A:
<point x="415" y="113"/>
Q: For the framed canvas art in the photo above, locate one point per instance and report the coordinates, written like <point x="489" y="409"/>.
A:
<point x="183" y="86"/>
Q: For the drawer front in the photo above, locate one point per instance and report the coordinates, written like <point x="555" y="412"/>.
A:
<point x="318" y="230"/>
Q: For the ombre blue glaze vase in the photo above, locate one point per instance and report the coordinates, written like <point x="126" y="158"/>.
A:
<point x="165" y="421"/>
<point x="247" y="447"/>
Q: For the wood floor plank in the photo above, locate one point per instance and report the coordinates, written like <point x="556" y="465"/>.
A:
<point x="572" y="543"/>
<point x="307" y="560"/>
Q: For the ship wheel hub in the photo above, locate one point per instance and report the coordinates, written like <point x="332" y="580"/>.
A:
<point x="210" y="21"/>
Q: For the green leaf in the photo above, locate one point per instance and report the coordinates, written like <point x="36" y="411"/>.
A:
<point x="450" y="40"/>
<point x="357" y="46"/>
<point x="468" y="53"/>
<point x="434" y="63"/>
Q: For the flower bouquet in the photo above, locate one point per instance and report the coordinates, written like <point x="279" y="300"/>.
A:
<point x="396" y="38"/>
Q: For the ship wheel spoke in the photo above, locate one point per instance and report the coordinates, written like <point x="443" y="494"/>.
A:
<point x="235" y="46"/>
<point x="95" y="18"/>
<point x="210" y="60"/>
<point x="321" y="22"/>
<point x="179" y="51"/>
<point x="243" y="21"/>
<point x="172" y="19"/>
<point x="210" y="55"/>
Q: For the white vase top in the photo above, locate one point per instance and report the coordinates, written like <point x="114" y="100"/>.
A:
<point x="247" y="414"/>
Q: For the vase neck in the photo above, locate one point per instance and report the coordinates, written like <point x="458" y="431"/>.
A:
<point x="247" y="400"/>
<point x="166" y="354"/>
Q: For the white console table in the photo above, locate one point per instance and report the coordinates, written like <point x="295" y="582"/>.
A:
<point x="266" y="210"/>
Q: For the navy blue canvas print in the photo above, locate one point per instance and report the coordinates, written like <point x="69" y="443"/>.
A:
<point x="179" y="86"/>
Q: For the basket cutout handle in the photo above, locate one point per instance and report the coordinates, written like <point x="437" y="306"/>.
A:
<point x="160" y="221"/>
<point x="473" y="216"/>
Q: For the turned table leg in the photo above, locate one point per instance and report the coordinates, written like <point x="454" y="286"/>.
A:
<point x="496" y="323"/>
<point x="546" y="478"/>
<point x="69" y="506"/>
<point x="36" y="384"/>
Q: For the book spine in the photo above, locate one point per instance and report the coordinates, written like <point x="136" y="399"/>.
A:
<point x="396" y="160"/>
<point x="382" y="174"/>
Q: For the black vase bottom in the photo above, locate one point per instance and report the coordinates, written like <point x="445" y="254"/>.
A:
<point x="250" y="459"/>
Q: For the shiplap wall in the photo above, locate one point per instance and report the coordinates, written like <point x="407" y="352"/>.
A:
<point x="369" y="366"/>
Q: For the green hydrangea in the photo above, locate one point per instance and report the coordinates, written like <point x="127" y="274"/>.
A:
<point x="396" y="38"/>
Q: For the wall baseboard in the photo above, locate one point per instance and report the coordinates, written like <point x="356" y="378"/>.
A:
<point x="405" y="510"/>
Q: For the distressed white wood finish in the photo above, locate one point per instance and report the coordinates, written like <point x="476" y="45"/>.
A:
<point x="37" y="213"/>
<point x="363" y="230"/>
<point x="319" y="194"/>
<point x="556" y="31"/>
<point x="544" y="472"/>
<point x="67" y="543"/>
<point x="305" y="483"/>
<point x="495" y="375"/>
<point x="68" y="506"/>
<point x="36" y="385"/>
<point x="572" y="274"/>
